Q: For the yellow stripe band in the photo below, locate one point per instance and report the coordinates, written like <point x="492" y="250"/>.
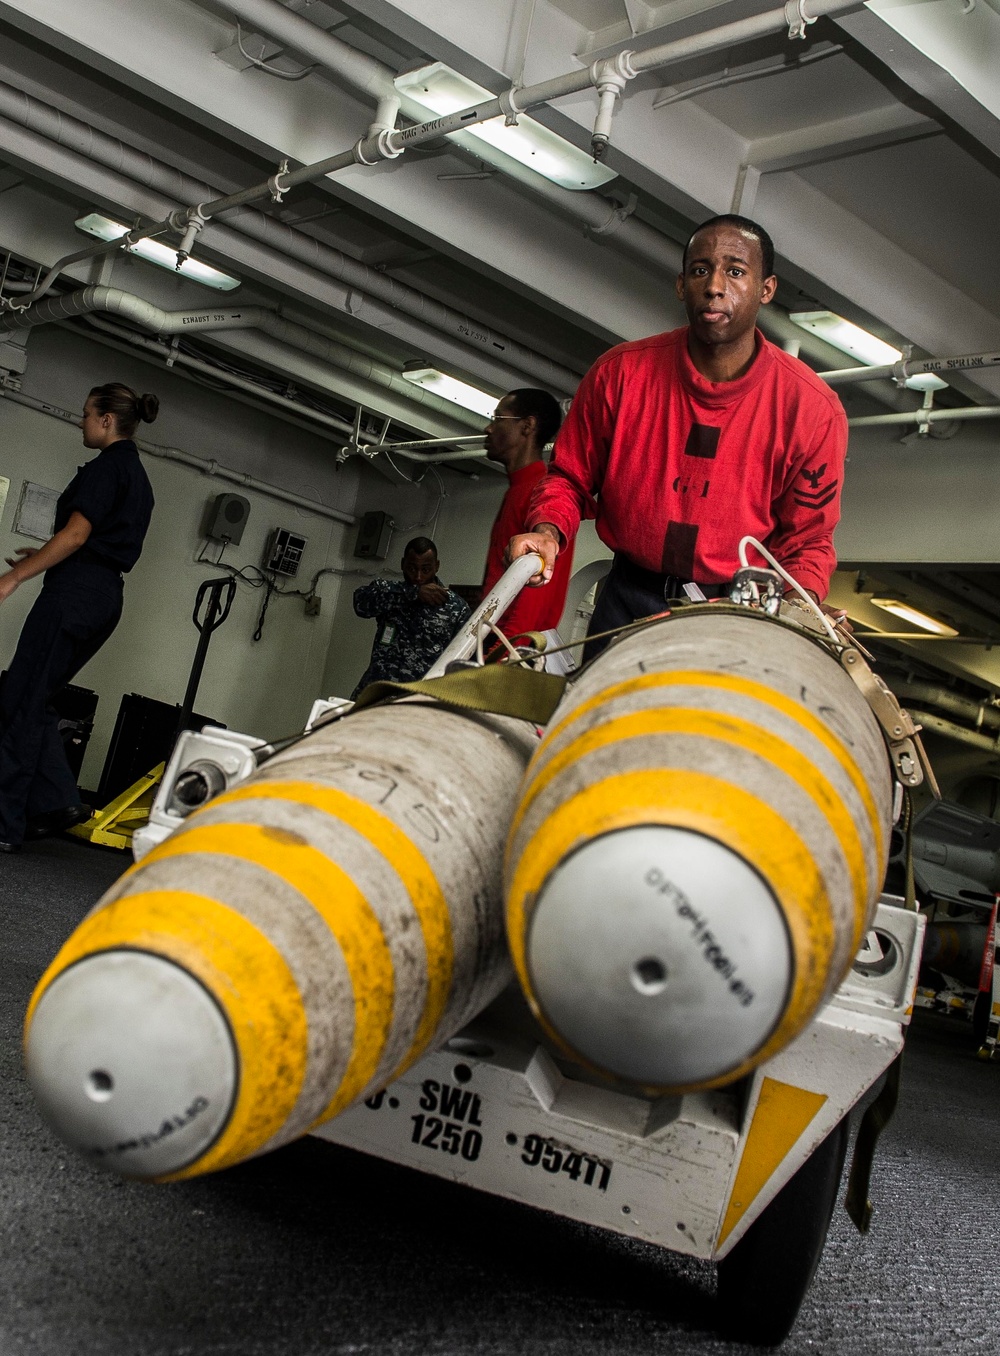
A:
<point x="249" y="979"/>
<point x="741" y="733"/>
<point x="746" y="687"/>
<point x="413" y="869"/>
<point x="719" y="810"/>
<point x="343" y="908"/>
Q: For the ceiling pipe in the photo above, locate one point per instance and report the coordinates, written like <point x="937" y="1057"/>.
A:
<point x="171" y="356"/>
<point x="305" y="416"/>
<point x="265" y="263"/>
<point x="932" y="724"/>
<point x="114" y="301"/>
<point x="981" y="714"/>
<point x="131" y="340"/>
<point x="364" y="75"/>
<point x="926" y="416"/>
<point x="601" y="218"/>
<point x="205" y="466"/>
<point x="597" y="214"/>
<point x="251" y="393"/>
<point x="911" y="367"/>
<point x="381" y="144"/>
<point x="512" y="361"/>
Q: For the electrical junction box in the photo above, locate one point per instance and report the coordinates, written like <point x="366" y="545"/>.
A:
<point x="284" y="552"/>
<point x="227" y="518"/>
<point x="374" y="532"/>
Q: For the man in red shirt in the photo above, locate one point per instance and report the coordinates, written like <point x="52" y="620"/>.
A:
<point x="685" y="442"/>
<point x="524" y="422"/>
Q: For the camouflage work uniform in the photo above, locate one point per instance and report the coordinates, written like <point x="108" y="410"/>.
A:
<point x="410" y="634"/>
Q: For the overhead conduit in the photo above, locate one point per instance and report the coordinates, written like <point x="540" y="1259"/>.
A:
<point x="512" y="360"/>
<point x="600" y="217"/>
<point x="981" y="713"/>
<point x="369" y="375"/>
<point x="378" y="296"/>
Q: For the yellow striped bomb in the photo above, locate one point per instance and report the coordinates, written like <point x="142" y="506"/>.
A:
<point x="291" y="949"/>
<point x="699" y="846"/>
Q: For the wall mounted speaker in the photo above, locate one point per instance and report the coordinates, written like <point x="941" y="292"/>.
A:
<point x="227" y="518"/>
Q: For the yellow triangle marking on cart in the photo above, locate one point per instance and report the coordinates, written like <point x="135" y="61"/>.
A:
<point x="781" y="1116"/>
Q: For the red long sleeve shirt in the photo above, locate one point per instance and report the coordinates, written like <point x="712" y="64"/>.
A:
<point x="677" y="468"/>
<point x="534" y="609"/>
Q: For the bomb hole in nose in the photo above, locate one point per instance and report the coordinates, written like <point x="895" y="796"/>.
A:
<point x="99" y="1085"/>
<point x="649" y="976"/>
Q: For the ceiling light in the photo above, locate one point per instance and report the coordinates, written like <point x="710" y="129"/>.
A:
<point x="925" y="381"/>
<point x="911" y="614"/>
<point x="450" y="388"/>
<point x="439" y="90"/>
<point x="849" y="338"/>
<point x="157" y="253"/>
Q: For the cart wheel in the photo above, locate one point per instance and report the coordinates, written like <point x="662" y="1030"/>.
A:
<point x="764" y="1280"/>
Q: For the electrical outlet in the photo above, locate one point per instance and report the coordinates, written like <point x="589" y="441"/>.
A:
<point x="313" y="604"/>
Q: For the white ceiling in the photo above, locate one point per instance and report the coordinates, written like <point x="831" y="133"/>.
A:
<point x="866" y="221"/>
<point x="893" y="231"/>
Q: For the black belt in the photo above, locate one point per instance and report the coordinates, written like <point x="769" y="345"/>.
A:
<point x="665" y="586"/>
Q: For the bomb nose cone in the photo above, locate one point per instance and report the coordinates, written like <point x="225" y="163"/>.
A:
<point x="132" y="1062"/>
<point x="659" y="955"/>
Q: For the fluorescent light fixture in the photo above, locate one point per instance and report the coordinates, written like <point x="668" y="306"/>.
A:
<point x="925" y="381"/>
<point x="157" y="253"/>
<point x="439" y="90"/>
<point x="849" y="338"/>
<point x="450" y="388"/>
<point x="911" y="614"/>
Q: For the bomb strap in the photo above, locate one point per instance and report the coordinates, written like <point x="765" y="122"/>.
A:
<point x="501" y="689"/>
<point x="901" y="734"/>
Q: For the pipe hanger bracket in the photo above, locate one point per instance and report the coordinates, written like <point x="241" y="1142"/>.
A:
<point x="276" y="187"/>
<point x="797" y="18"/>
<point x="508" y="105"/>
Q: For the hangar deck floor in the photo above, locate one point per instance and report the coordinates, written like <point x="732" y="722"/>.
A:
<point x="318" y="1250"/>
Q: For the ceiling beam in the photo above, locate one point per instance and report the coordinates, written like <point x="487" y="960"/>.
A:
<point x="943" y="54"/>
<point x="832" y="140"/>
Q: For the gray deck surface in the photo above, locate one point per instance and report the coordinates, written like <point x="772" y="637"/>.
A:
<point x="315" y="1249"/>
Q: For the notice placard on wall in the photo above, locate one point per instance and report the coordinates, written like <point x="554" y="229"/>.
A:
<point x="36" y="511"/>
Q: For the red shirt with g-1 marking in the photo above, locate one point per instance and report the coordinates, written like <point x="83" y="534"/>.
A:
<point x="676" y="468"/>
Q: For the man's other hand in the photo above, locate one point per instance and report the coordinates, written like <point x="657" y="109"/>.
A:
<point x="544" y="542"/>
<point x="22" y="553"/>
<point x="434" y="595"/>
<point x="839" y="617"/>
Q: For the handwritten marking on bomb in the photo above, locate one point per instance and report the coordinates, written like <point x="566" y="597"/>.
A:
<point x="452" y="1132"/>
<point x="709" y="945"/>
<point x="168" y="1127"/>
<point x="553" y="1157"/>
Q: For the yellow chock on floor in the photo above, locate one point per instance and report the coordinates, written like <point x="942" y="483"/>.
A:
<point x="115" y="824"/>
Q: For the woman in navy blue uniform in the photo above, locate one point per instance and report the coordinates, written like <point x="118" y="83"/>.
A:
<point x="101" y="522"/>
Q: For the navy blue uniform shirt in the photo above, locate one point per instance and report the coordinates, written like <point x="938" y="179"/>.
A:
<point x="114" y="495"/>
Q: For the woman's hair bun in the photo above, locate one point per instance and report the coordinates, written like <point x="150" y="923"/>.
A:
<point x="149" y="406"/>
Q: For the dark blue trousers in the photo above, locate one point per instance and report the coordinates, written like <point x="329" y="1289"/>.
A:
<point x="630" y="592"/>
<point x="75" y="613"/>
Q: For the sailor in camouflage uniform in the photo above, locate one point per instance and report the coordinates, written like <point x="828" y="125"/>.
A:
<point x="417" y="617"/>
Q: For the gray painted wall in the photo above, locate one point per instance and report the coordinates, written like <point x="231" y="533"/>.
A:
<point x="264" y="687"/>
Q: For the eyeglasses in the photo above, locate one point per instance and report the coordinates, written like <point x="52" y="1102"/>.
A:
<point x="495" y="418"/>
